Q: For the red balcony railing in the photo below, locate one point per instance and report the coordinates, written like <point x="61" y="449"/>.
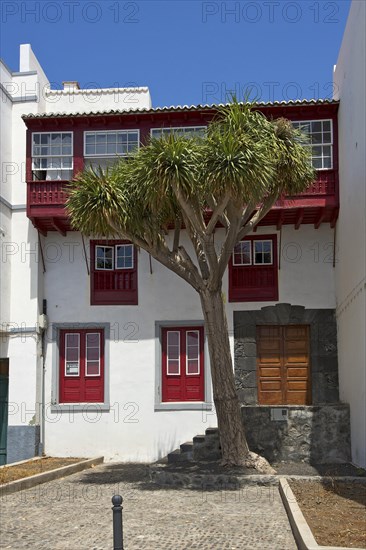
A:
<point x="324" y="185"/>
<point x="46" y="200"/>
<point x="47" y="193"/>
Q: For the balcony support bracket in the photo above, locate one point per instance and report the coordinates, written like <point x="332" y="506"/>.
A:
<point x="299" y="217"/>
<point x="57" y="224"/>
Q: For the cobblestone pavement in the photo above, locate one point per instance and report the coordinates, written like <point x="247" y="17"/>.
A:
<point x="74" y="513"/>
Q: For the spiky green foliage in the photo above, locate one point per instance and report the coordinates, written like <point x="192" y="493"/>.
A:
<point x="253" y="155"/>
<point x="244" y="158"/>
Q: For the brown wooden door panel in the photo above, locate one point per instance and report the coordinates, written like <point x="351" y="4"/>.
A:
<point x="295" y="398"/>
<point x="270" y="371"/>
<point x="271" y="398"/>
<point x="283" y="365"/>
<point x="297" y="385"/>
<point x="296" y="331"/>
<point x="271" y="346"/>
<point x="297" y="372"/>
<point x="268" y="385"/>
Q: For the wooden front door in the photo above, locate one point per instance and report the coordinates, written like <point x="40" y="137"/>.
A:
<point x="283" y="365"/>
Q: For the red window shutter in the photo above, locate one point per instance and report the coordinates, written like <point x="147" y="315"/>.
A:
<point x="85" y="383"/>
<point x="255" y="283"/>
<point x="183" y="382"/>
<point x="114" y="286"/>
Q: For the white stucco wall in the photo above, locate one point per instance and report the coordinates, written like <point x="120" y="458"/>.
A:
<point x="5" y="193"/>
<point x="308" y="281"/>
<point x="349" y="80"/>
<point x="20" y="280"/>
<point x="24" y="92"/>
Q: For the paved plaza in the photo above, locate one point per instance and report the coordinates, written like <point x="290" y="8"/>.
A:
<point x="74" y="513"/>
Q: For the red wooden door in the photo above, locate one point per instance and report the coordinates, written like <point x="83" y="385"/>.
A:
<point x="182" y="364"/>
<point x="82" y="366"/>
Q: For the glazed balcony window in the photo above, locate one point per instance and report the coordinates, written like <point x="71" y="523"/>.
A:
<point x="52" y="156"/>
<point x="106" y="147"/>
<point x="320" y="134"/>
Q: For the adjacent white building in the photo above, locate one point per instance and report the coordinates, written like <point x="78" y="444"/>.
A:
<point x="350" y="89"/>
<point x="22" y="282"/>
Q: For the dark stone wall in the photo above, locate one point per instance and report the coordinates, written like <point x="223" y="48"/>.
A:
<point x="316" y="434"/>
<point x="323" y="349"/>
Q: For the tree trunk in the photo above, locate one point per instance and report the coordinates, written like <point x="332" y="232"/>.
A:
<point x="234" y="446"/>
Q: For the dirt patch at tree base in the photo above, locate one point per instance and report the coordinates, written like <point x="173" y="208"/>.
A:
<point x="33" y="467"/>
<point x="335" y="511"/>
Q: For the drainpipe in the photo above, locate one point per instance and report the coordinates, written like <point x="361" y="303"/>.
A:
<point x="43" y="331"/>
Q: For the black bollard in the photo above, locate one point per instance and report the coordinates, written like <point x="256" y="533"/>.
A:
<point x="117" y="522"/>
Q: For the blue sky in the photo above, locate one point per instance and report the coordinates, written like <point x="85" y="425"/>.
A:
<point x="187" y="52"/>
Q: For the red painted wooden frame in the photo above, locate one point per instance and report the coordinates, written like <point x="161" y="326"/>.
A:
<point x="81" y="388"/>
<point x="183" y="387"/>
<point x="46" y="200"/>
<point x="255" y="283"/>
<point x="115" y="286"/>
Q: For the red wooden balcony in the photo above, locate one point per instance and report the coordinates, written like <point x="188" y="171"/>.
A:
<point x="318" y="204"/>
<point x="46" y="205"/>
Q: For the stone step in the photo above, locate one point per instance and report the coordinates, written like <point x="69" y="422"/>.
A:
<point x="179" y="456"/>
<point x="212" y="431"/>
<point x="199" y="439"/>
<point x="186" y="447"/>
<point x="167" y="476"/>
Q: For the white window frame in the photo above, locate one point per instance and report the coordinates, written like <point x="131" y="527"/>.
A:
<point x="108" y="155"/>
<point x="96" y="257"/>
<point x="168" y="129"/>
<point x="250" y="254"/>
<point x="262" y="241"/>
<point x="66" y="335"/>
<point x="71" y="155"/>
<point x="115" y="259"/>
<point x="167" y="353"/>
<point x="199" y="354"/>
<point x="322" y="144"/>
<point x="86" y="354"/>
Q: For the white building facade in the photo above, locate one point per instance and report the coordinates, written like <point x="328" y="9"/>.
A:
<point x="105" y="349"/>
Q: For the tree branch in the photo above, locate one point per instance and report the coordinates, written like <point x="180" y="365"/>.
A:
<point x="217" y="213"/>
<point x="258" y="216"/>
<point x="248" y="212"/>
<point x="177" y="228"/>
<point x="197" y="245"/>
<point x="181" y="263"/>
<point x="159" y="250"/>
<point x="195" y="216"/>
<point x="213" y="205"/>
<point x="234" y="216"/>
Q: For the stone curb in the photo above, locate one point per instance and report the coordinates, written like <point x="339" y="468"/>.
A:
<point x="44" y="477"/>
<point x="162" y="476"/>
<point x="27" y="460"/>
<point x="302" y="533"/>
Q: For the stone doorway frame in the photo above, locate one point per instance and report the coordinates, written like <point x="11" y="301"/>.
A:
<point x="323" y="349"/>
